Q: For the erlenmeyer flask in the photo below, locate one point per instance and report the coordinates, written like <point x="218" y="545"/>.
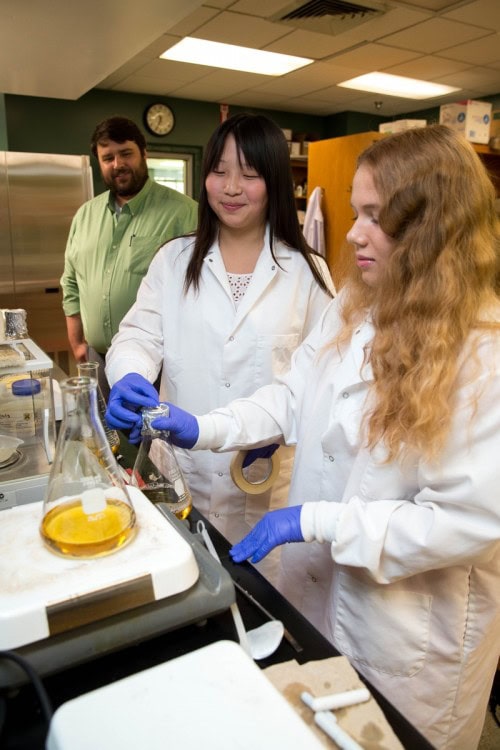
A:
<point x="156" y="471"/>
<point x="87" y="511"/>
<point x="90" y="370"/>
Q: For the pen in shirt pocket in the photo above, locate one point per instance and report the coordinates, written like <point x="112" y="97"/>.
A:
<point x="131" y="238"/>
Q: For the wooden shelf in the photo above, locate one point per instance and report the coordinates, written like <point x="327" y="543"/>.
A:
<point x="331" y="165"/>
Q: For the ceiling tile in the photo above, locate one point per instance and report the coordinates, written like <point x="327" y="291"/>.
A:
<point x="137" y="84"/>
<point x="482" y="79"/>
<point x="373" y="57"/>
<point x="427" y="68"/>
<point x="136" y="63"/>
<point x="336" y="94"/>
<point x="246" y="31"/>
<point x="433" y="4"/>
<point x="430" y="36"/>
<point x="193" y="22"/>
<point x="453" y="41"/>
<point x="253" y="98"/>
<point x="481" y="12"/>
<point x="175" y="71"/>
<point x="218" y="85"/>
<point x="306" y="44"/>
<point x="221" y="4"/>
<point x="479" y="52"/>
<point x="262" y="8"/>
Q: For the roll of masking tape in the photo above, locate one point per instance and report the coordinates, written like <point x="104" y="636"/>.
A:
<point x="254" y="488"/>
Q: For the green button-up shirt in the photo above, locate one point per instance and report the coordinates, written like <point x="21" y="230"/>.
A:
<point x="107" y="254"/>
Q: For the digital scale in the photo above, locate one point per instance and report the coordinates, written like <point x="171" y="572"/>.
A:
<point x="58" y="612"/>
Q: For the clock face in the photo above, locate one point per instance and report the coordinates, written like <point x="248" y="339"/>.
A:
<point x="159" y="119"/>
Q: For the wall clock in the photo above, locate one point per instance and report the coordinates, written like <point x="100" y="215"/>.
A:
<point x="159" y="119"/>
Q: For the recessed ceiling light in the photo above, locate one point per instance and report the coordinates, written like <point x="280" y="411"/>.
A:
<point x="232" y="57"/>
<point x="409" y="88"/>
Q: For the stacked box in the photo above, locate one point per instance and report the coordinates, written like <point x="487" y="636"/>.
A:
<point x="398" y="125"/>
<point x="472" y="118"/>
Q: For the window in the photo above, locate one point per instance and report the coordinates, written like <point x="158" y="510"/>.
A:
<point x="173" y="170"/>
<point x="163" y="167"/>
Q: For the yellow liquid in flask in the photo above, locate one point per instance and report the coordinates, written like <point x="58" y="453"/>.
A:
<point x="71" y="532"/>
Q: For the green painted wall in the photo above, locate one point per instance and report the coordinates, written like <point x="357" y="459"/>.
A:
<point x="59" y="126"/>
<point x="349" y="123"/>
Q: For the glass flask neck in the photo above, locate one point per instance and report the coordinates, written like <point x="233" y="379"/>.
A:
<point x="91" y="370"/>
<point x="79" y="395"/>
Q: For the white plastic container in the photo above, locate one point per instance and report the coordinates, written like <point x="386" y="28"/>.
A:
<point x="21" y="407"/>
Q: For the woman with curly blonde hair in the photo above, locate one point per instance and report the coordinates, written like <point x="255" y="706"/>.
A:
<point x="393" y="402"/>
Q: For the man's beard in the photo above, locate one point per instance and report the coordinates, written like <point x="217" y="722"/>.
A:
<point x="131" y="186"/>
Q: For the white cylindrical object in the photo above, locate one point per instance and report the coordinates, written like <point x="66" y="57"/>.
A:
<point x="336" y="700"/>
<point x="21" y="407"/>
<point x="328" y="723"/>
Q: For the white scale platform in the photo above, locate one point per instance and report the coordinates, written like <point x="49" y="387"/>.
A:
<point x="42" y="594"/>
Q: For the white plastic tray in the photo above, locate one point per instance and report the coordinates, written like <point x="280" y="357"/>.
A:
<point x="214" y="698"/>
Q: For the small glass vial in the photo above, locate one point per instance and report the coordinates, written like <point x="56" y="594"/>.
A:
<point x="90" y="370"/>
<point x="156" y="471"/>
<point x="87" y="511"/>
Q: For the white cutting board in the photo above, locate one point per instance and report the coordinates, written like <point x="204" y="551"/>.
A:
<point x="40" y="590"/>
<point x="215" y="698"/>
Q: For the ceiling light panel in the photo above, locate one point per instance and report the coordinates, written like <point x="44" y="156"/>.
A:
<point x="408" y="88"/>
<point x="232" y="57"/>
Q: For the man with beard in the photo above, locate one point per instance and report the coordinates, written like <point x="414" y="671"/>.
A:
<point x="113" y="238"/>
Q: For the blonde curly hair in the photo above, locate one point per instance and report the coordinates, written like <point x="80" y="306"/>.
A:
<point x="441" y="283"/>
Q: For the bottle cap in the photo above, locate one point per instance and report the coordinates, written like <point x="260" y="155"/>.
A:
<point x="27" y="387"/>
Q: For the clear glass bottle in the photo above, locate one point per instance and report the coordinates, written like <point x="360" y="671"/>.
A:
<point x="87" y="511"/>
<point x="156" y="471"/>
<point x="90" y="370"/>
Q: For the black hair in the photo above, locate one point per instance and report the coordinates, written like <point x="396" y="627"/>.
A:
<point x="264" y="148"/>
<point x="118" y="129"/>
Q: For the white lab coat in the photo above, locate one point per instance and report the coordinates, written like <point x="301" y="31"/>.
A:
<point x="413" y="595"/>
<point x="314" y="223"/>
<point x="212" y="352"/>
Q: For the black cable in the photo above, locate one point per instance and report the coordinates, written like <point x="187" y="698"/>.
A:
<point x="3" y="714"/>
<point x="36" y="681"/>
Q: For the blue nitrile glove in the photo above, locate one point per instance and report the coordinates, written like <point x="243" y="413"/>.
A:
<point x="128" y="396"/>
<point x="135" y="434"/>
<point x="276" y="527"/>
<point x="183" y="427"/>
<point x="255" y="453"/>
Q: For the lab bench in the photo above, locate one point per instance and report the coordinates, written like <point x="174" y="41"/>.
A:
<point x="24" y="727"/>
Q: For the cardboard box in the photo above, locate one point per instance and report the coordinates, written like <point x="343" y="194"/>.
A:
<point x="398" y="125"/>
<point x="495" y="123"/>
<point x="470" y="117"/>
